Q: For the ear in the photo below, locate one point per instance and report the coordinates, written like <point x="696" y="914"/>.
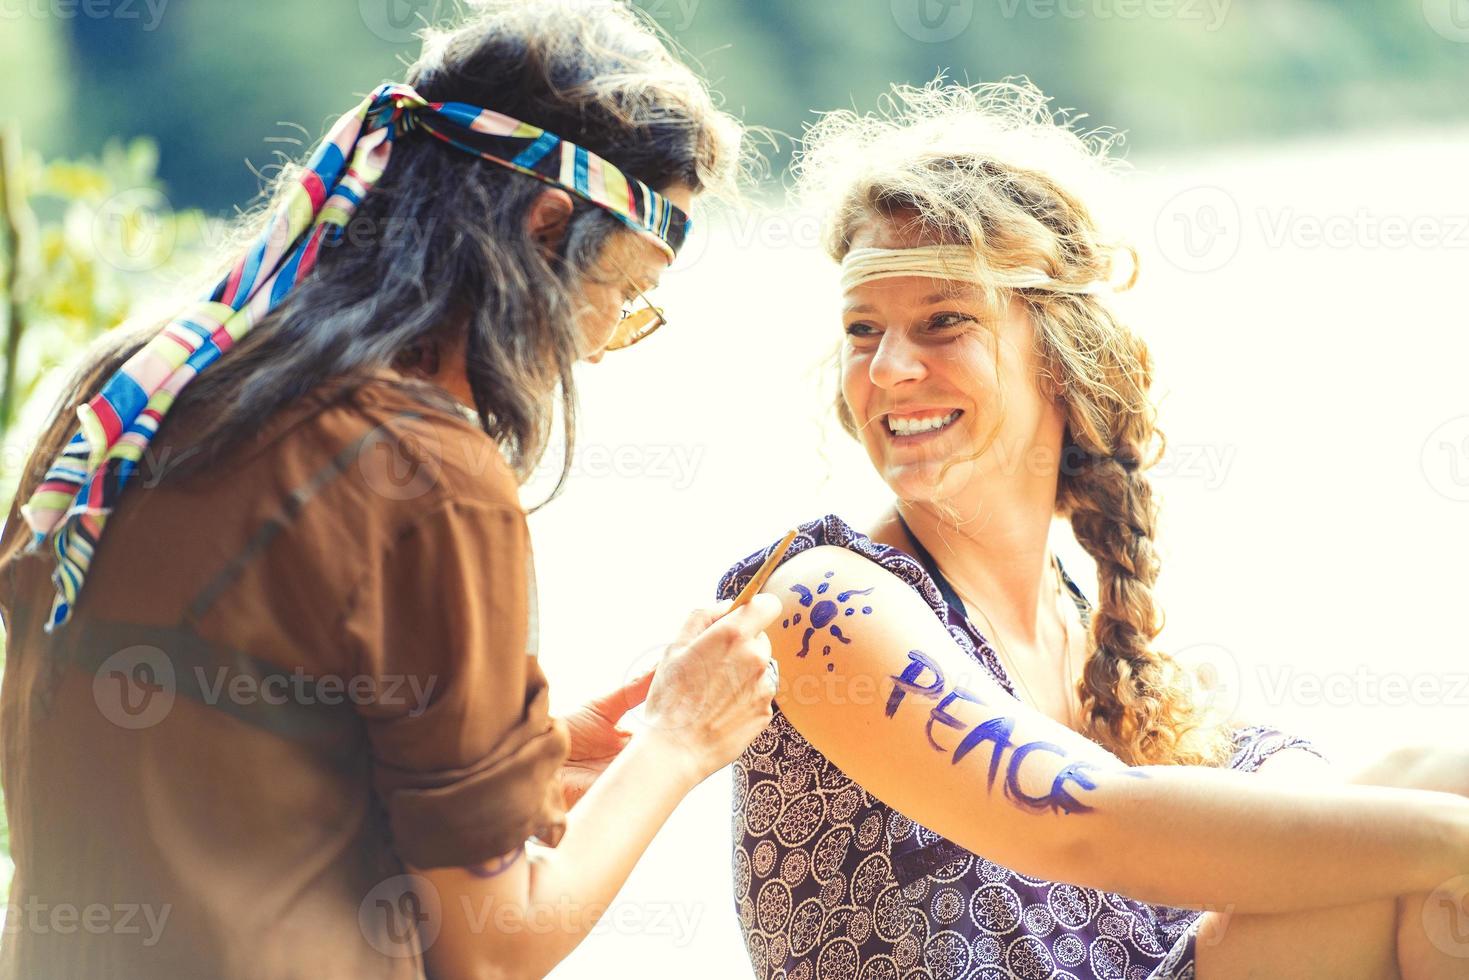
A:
<point x="548" y="217"/>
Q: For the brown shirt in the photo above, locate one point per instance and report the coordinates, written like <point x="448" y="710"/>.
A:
<point x="287" y="677"/>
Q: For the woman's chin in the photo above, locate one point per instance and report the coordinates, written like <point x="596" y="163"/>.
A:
<point x="926" y="481"/>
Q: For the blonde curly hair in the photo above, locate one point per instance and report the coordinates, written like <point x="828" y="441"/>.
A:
<point x="992" y="167"/>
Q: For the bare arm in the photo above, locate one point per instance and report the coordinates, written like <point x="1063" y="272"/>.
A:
<point x="521" y="914"/>
<point x="901" y="708"/>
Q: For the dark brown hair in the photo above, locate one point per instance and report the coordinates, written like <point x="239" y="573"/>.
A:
<point x="441" y="241"/>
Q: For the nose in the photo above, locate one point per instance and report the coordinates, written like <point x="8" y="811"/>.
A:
<point x="896" y="360"/>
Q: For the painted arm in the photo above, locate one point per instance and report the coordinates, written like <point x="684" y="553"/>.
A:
<point x="873" y="680"/>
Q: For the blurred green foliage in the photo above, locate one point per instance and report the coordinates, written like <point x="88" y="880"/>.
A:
<point x="95" y="239"/>
<point x="83" y="243"/>
<point x="222" y="90"/>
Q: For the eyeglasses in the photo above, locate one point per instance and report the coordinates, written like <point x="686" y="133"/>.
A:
<point x="637" y="323"/>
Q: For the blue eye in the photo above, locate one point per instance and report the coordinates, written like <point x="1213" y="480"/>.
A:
<point x="860" y="330"/>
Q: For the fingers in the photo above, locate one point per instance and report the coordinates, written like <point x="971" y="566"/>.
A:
<point x="701" y="619"/>
<point x="614" y="705"/>
<point x="754" y="616"/>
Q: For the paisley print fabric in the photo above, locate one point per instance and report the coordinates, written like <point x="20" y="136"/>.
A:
<point x="832" y="884"/>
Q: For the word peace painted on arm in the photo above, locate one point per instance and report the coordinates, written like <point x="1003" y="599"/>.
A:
<point x="998" y="733"/>
<point x="923" y="679"/>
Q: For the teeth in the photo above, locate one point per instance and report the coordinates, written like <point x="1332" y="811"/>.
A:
<point x="909" y="427"/>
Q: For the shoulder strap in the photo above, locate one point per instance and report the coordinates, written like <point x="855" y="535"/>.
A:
<point x="952" y="597"/>
<point x="931" y="566"/>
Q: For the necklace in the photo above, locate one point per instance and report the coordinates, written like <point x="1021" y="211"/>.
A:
<point x="1010" y="663"/>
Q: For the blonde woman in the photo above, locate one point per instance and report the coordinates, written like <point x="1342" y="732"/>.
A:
<point x="971" y="764"/>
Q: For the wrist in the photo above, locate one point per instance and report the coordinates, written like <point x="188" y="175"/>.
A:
<point x="671" y="756"/>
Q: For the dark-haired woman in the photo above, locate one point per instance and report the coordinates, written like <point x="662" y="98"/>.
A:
<point x="272" y="706"/>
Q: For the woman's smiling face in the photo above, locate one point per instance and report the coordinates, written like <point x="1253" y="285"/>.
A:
<point x="920" y="378"/>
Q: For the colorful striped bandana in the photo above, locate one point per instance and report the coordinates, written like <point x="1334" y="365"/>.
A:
<point x="80" y="490"/>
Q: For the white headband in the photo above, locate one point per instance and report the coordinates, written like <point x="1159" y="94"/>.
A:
<point x="956" y="262"/>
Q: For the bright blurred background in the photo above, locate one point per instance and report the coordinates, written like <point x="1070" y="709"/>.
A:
<point x="1297" y="193"/>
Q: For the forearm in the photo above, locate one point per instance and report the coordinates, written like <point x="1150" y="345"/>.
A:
<point x="523" y="922"/>
<point x="606" y="835"/>
<point x="1171" y="835"/>
<point x="1221" y="839"/>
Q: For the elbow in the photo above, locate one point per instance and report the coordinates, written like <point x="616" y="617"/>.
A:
<point x="509" y="955"/>
<point x="1069" y="853"/>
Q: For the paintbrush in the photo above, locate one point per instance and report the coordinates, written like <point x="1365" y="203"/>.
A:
<point x="767" y="569"/>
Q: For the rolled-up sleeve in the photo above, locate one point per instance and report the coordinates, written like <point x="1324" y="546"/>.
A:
<point x="465" y="754"/>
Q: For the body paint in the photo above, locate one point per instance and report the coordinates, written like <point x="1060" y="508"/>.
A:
<point x="999" y="732"/>
<point x="823" y="614"/>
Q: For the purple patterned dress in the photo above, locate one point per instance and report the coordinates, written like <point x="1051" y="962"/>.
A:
<point x="832" y="884"/>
